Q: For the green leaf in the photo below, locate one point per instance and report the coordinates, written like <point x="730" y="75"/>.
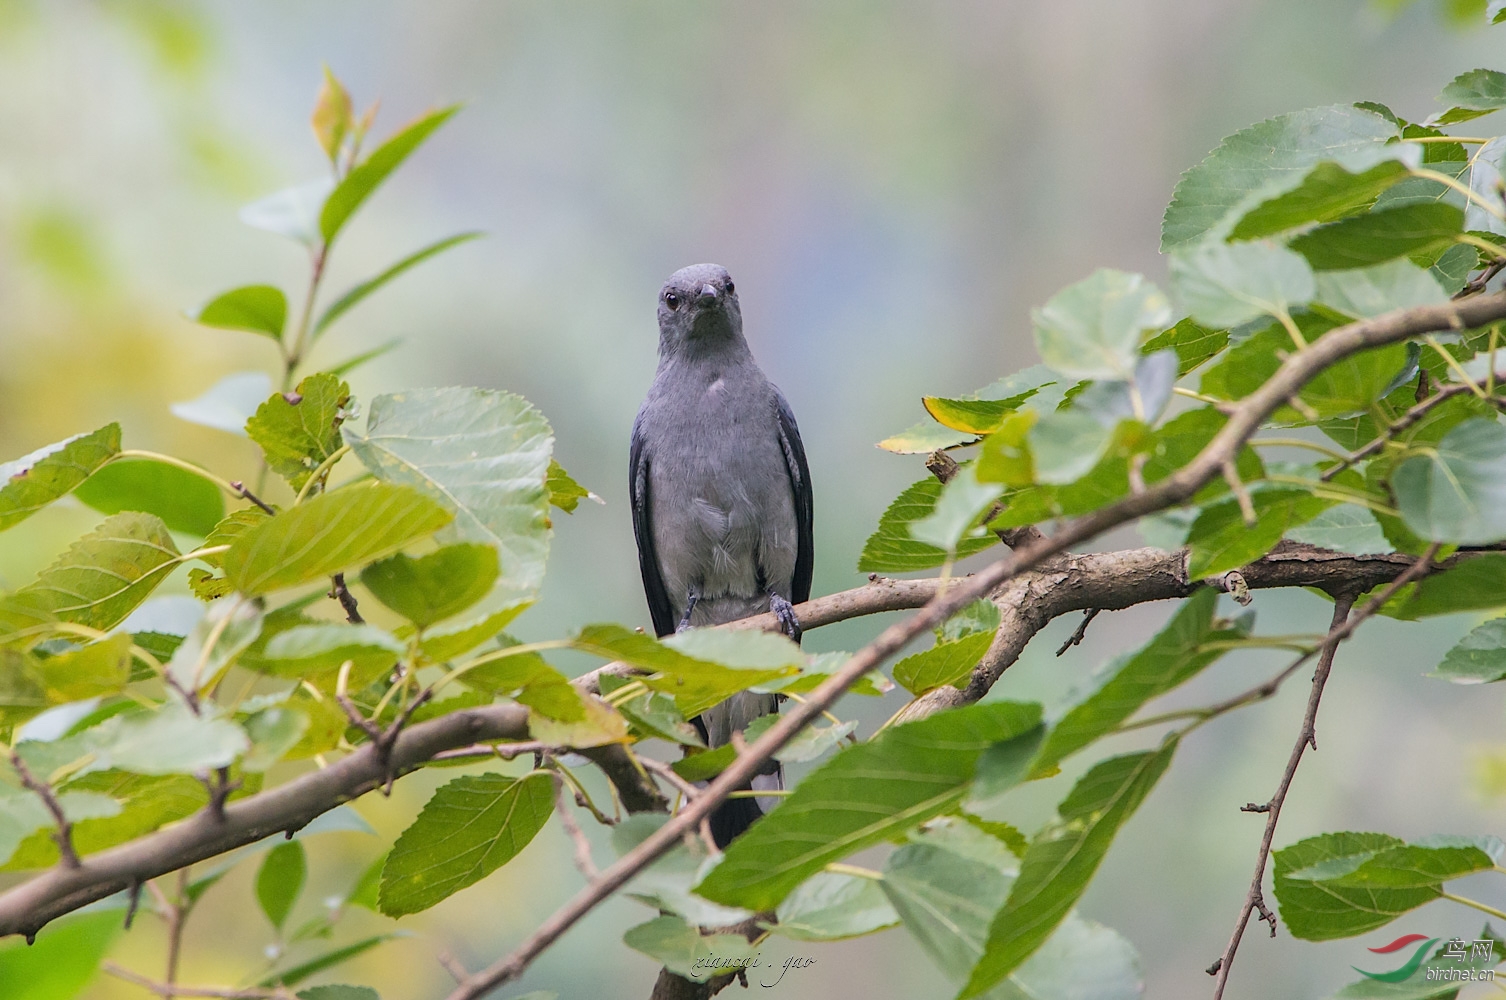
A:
<point x="945" y="663"/>
<point x="1376" y="237"/>
<point x="924" y="438"/>
<point x="184" y="501"/>
<point x="865" y="794"/>
<point x="483" y="454"/>
<point x="297" y="437"/>
<point x="831" y="907"/>
<point x="258" y="308"/>
<point x="226" y="629"/>
<point x="1065" y="445"/>
<point x="470" y="827"/>
<point x="699" y="667"/>
<point x="1429" y="862"/>
<point x="1474" y="584"/>
<point x="358" y="185"/>
<point x="103" y="576"/>
<point x="1062" y="859"/>
<point x="1486" y="170"/>
<point x="1221" y="540"/>
<point x="1266" y="160"/>
<point x="314" y="966"/>
<point x="102" y="667"/>
<point x="1496" y="11"/>
<point x="1457" y="491"/>
<point x="1327" y="192"/>
<point x="947" y="897"/>
<point x="891" y="549"/>
<point x="1472" y="94"/>
<point x="279" y="880"/>
<point x="564" y="492"/>
<point x="170" y="740"/>
<point x="680" y="948"/>
<point x="665" y="884"/>
<point x="317" y="651"/>
<point x="1371" y="291"/>
<point x="450" y="641"/>
<point x="355" y="361"/>
<point x="974" y="416"/>
<point x="955" y="516"/>
<point x="338" y="992"/>
<point x="1345" y="528"/>
<point x="1093" y="329"/>
<point x="531" y="681"/>
<point x="353" y="297"/>
<point x="436" y="586"/>
<point x="652" y="714"/>
<point x="1478" y="658"/>
<point x="65" y="957"/>
<point x="1356" y="383"/>
<point x="1177" y="654"/>
<point x="1318" y="911"/>
<point x="292" y="212"/>
<point x="273" y="732"/>
<point x="980" y="616"/>
<point x="1225" y="285"/>
<point x="33" y="481"/>
<point x="146" y="803"/>
<point x="329" y="534"/>
<point x="1193" y="342"/>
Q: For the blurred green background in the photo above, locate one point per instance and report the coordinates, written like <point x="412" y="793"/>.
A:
<point x="893" y="185"/>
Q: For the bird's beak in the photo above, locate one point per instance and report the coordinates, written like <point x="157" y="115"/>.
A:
<point x="708" y="294"/>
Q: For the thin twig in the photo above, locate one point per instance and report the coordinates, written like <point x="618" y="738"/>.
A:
<point x="1342" y="627"/>
<point x="340" y="592"/>
<point x="452" y="965"/>
<point x="63" y="835"/>
<point x="583" y="861"/>
<point x="168" y="990"/>
<point x="690" y="791"/>
<point x="1396" y="426"/>
<point x="1476" y="285"/>
<point x="1082" y="629"/>
<point x="177" y="915"/>
<point x="1237" y="486"/>
<point x="506" y="751"/>
<point x="245" y="494"/>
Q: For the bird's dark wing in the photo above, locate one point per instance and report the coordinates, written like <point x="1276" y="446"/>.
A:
<point x="800" y="485"/>
<point x="659" y="605"/>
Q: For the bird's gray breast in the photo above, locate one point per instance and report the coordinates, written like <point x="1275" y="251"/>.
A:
<point x="721" y="503"/>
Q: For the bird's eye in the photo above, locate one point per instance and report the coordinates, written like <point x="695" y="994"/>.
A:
<point x="730" y="287"/>
<point x="672" y="300"/>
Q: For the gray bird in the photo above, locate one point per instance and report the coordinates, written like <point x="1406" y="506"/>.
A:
<point x="721" y="495"/>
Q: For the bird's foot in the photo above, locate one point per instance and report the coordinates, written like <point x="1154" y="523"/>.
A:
<point x="785" y="612"/>
<point x="691" y="602"/>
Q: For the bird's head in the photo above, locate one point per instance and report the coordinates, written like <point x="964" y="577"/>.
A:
<point x="698" y="308"/>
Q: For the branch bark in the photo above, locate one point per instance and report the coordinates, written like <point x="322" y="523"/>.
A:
<point x="26" y="908"/>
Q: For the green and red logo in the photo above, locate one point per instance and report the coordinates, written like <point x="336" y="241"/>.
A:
<point x="1412" y="964"/>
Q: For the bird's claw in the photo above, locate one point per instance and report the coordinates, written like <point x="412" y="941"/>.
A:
<point x="785" y="612"/>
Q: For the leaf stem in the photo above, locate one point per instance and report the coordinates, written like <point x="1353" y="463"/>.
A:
<point x="1464" y="189"/>
<point x="1281" y="442"/>
<point x="1491" y="910"/>
<point x="223" y="484"/>
<point x="323" y="468"/>
<point x="841" y="868"/>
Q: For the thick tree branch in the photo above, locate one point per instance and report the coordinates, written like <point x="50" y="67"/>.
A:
<point x="1245" y="418"/>
<point x="288" y="807"/>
